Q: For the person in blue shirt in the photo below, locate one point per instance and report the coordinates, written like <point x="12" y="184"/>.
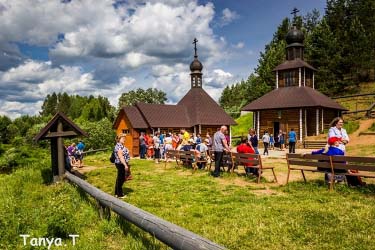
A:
<point x="79" y="153"/>
<point x="292" y="141"/>
<point x="272" y="142"/>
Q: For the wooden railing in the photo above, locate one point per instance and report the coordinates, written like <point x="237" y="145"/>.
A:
<point x="172" y="235"/>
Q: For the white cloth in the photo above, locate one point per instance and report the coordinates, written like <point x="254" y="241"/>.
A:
<point x="339" y="133"/>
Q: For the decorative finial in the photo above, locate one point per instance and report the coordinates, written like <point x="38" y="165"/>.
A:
<point x="294" y="13"/>
<point x="195" y="47"/>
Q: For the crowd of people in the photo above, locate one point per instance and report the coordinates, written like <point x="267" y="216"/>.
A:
<point x="155" y="147"/>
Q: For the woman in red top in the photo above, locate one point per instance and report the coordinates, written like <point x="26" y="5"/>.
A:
<point x="246" y="148"/>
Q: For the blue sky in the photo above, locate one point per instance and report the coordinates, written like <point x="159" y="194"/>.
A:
<point x="106" y="47"/>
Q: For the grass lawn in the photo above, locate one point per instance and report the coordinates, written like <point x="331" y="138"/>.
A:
<point x="243" y="124"/>
<point x="239" y="214"/>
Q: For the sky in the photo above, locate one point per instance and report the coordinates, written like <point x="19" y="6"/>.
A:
<point x="107" y="47"/>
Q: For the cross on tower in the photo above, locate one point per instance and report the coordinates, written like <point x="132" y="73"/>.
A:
<point x="294" y="12"/>
<point x="195" y="46"/>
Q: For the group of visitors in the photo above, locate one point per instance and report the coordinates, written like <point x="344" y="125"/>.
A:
<point x="155" y="146"/>
<point x="74" y="155"/>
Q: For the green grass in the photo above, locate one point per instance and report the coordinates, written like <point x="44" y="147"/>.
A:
<point x="232" y="211"/>
<point x="243" y="124"/>
<point x="236" y="213"/>
<point x="29" y="204"/>
<point x="351" y="126"/>
<point x="372" y="128"/>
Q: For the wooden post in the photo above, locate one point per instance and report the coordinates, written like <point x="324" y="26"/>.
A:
<point x="304" y="76"/>
<point x="300" y="125"/>
<point x="258" y="122"/>
<point x="322" y="121"/>
<point x="313" y="80"/>
<point x="317" y="122"/>
<point x="277" y="79"/>
<point x="305" y="122"/>
<point x="299" y="77"/>
<point x="200" y="129"/>
<point x="60" y="151"/>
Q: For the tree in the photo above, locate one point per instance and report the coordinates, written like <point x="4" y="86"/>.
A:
<point x="4" y="123"/>
<point x="150" y="95"/>
<point x="49" y="106"/>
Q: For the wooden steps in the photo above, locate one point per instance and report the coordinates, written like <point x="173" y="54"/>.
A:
<point x="314" y="144"/>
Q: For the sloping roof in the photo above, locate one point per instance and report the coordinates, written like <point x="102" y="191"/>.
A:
<point x="164" y="116"/>
<point x="135" y="117"/>
<point x="292" y="97"/>
<point x="202" y="109"/>
<point x="293" y="64"/>
<point x="67" y="124"/>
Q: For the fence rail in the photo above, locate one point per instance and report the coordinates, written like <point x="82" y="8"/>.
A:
<point x="172" y="235"/>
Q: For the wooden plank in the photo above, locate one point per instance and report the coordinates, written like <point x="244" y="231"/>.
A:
<point x="172" y="235"/>
<point x="60" y="134"/>
<point x="310" y="163"/>
<point x="356" y="159"/>
<point x="359" y="167"/>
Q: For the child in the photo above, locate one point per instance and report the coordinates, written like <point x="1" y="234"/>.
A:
<point x="272" y="142"/>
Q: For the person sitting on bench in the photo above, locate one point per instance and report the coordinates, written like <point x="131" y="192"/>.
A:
<point x="332" y="148"/>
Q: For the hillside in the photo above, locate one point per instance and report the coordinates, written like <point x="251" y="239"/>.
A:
<point x="244" y="122"/>
<point x="360" y="102"/>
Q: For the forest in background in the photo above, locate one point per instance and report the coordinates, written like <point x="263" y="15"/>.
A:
<point x="340" y="44"/>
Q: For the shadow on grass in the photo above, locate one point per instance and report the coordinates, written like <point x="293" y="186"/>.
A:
<point x="341" y="188"/>
<point x="129" y="229"/>
<point x="46" y="174"/>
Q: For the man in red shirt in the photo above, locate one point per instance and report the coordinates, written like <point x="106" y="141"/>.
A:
<point x="245" y="147"/>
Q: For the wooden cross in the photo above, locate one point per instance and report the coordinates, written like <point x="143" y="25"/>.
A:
<point x="195" y="46"/>
<point x="294" y="12"/>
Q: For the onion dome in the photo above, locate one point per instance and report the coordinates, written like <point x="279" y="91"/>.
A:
<point x="294" y="36"/>
<point x="196" y="65"/>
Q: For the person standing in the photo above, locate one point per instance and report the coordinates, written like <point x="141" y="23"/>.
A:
<point x="281" y="139"/>
<point x="79" y="153"/>
<point x="167" y="144"/>
<point x="175" y="141"/>
<point x="156" y="142"/>
<point x="253" y="140"/>
<point x="142" y="145"/>
<point x="272" y="142"/>
<point x="220" y="145"/>
<point x="292" y="141"/>
<point x="337" y="130"/>
<point x="266" y="141"/>
<point x="209" y="145"/>
<point x="122" y="158"/>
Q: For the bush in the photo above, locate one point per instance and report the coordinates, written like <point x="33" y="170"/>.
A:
<point x="372" y="128"/>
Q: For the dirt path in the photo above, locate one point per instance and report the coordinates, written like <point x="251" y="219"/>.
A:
<point x="356" y="139"/>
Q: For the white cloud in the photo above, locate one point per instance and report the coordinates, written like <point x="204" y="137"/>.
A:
<point x="218" y="78"/>
<point x="228" y="16"/>
<point x="239" y="45"/>
<point x="24" y="88"/>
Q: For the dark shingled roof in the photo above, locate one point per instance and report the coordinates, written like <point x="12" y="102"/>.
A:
<point x="293" y="64"/>
<point x="135" y="117"/>
<point x="292" y="97"/>
<point x="164" y="116"/>
<point x="195" y="108"/>
<point x="202" y="109"/>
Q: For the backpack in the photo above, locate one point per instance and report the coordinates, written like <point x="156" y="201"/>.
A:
<point x="112" y="158"/>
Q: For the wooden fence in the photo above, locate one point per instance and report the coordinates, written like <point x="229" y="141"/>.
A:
<point x="172" y="235"/>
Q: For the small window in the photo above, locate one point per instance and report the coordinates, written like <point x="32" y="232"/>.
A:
<point x="126" y="131"/>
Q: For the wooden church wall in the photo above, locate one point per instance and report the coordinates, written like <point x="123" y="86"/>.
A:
<point x="287" y="119"/>
<point x="131" y="135"/>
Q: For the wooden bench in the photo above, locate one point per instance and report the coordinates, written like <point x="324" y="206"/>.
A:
<point x="254" y="159"/>
<point x="187" y="158"/>
<point x="211" y="155"/>
<point x="199" y="160"/>
<point x="364" y="165"/>
<point x="310" y="163"/>
<point x="331" y="164"/>
<point x="172" y="154"/>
